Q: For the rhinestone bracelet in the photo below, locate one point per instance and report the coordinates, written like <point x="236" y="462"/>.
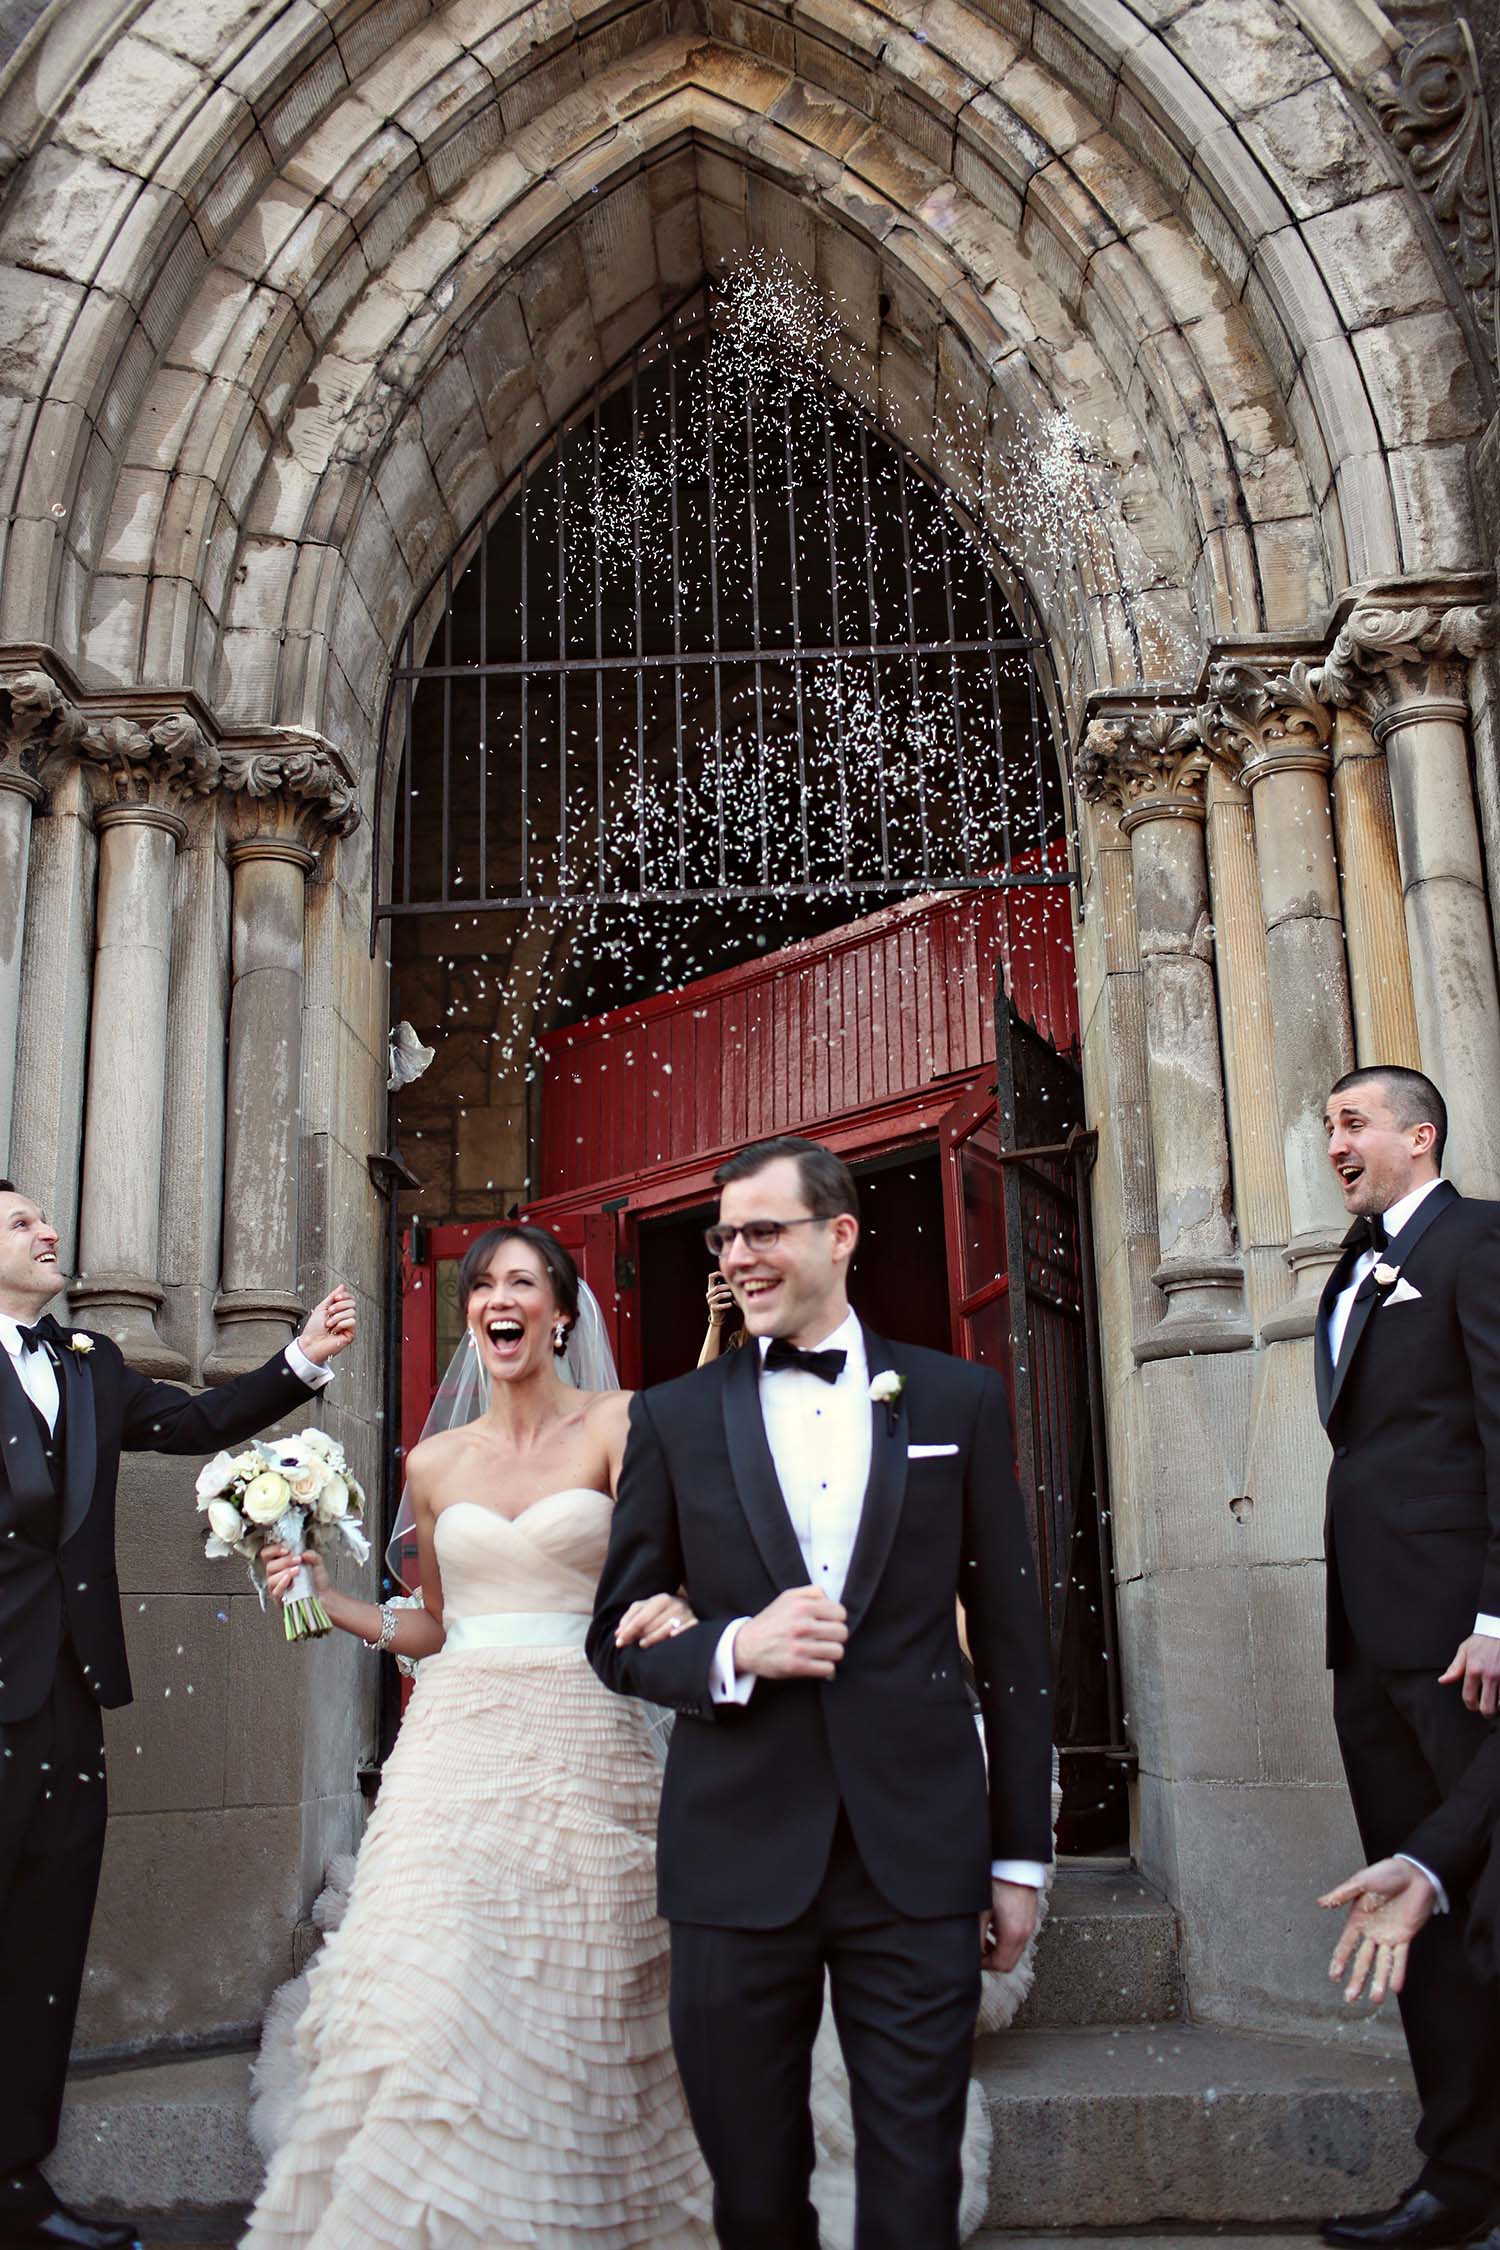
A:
<point x="388" y="1622"/>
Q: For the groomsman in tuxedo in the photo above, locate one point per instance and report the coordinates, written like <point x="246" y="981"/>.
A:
<point x="826" y="1497"/>
<point x="1408" y="1375"/>
<point x="68" y="1406"/>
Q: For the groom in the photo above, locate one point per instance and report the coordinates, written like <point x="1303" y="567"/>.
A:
<point x="68" y="1405"/>
<point x="826" y="1499"/>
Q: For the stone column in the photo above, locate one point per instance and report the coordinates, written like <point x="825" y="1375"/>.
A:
<point x="1149" y="764"/>
<point x="31" y="706"/>
<point x="142" y="777"/>
<point x="1271" y="726"/>
<point x="1400" y="657"/>
<point x="1385" y="1015"/>
<point x="284" y="804"/>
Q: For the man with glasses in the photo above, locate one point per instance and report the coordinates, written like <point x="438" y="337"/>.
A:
<point x="826" y="1498"/>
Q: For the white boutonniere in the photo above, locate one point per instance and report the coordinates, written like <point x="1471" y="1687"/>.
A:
<point x="885" y="1390"/>
<point x="80" y="1343"/>
<point x="1386" y="1277"/>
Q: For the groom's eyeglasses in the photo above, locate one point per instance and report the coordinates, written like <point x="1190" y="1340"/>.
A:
<point x="759" y="1234"/>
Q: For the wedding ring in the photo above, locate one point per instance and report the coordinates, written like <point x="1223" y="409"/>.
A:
<point x="675" y="1626"/>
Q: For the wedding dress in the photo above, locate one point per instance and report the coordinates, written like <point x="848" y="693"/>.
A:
<point x="484" y="2056"/>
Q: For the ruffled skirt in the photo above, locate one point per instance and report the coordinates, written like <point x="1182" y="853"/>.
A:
<point x="485" y="2049"/>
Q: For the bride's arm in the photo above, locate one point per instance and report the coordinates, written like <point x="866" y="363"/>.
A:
<point x="659" y="1616"/>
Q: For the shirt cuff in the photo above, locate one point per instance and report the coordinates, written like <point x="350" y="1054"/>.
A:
<point x="307" y="1370"/>
<point x="1487" y="1625"/>
<point x="725" y="1685"/>
<point x="1440" y="1904"/>
<point x="1031" y="1872"/>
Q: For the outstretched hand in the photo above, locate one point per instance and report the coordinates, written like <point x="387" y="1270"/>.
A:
<point x="1388" y="1904"/>
<point x="330" y="1327"/>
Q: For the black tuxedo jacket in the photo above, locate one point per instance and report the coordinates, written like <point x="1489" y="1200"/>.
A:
<point x="1460" y="1842"/>
<point x="1412" y="1412"/>
<point x="752" y="1792"/>
<point x="57" y="1546"/>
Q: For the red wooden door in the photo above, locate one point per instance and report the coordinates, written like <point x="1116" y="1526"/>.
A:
<point x="974" y="1224"/>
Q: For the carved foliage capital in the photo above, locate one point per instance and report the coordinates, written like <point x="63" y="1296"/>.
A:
<point x="1384" y="657"/>
<point x="157" y="766"/>
<point x="297" y="790"/>
<point x="35" y="717"/>
<point x="1145" y="764"/>
<point x="1254" y="717"/>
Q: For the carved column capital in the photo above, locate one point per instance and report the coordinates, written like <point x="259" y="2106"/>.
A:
<point x="1258" y="719"/>
<point x="36" y="715"/>
<point x="147" y="772"/>
<point x="1395" y="661"/>
<point x="1145" y="765"/>
<point x="292" y="791"/>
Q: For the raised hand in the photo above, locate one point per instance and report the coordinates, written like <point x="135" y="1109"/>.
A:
<point x="330" y="1327"/>
<point x="799" y="1636"/>
<point x="655" y="1619"/>
<point x="1388" y="1904"/>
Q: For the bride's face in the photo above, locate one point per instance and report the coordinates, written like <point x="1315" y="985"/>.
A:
<point x="512" y="1313"/>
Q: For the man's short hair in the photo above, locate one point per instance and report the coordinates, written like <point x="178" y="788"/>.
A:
<point x="8" y="1187"/>
<point x="827" y="1183"/>
<point x="1410" y="1096"/>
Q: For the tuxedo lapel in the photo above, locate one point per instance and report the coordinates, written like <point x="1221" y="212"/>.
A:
<point x="80" y="1440"/>
<point x="1397" y="1251"/>
<point x="755" y="1477"/>
<point x="26" y="1469"/>
<point x="883" y="1495"/>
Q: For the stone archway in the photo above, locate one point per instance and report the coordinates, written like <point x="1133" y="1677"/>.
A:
<point x="288" y="299"/>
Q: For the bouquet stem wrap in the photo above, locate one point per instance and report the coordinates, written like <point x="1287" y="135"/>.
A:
<point x="302" y="1614"/>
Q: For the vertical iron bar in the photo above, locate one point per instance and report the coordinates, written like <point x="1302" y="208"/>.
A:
<point x="676" y="624"/>
<point x="916" y="670"/>
<point x="640" y="645"/>
<point x="791" y="533"/>
<point x="838" y="669"/>
<point x="998" y="714"/>
<point x="483" y="684"/>
<point x="562" y="677"/>
<point x="864" y="479"/>
<point x="447" y="788"/>
<point x="1036" y="751"/>
<point x="1084" y="1147"/>
<point x="965" y="852"/>
<point x="760" y="712"/>
<point x="524" y="884"/>
<point x="408" y="764"/>
<point x="598" y="653"/>
<point x="713" y="613"/>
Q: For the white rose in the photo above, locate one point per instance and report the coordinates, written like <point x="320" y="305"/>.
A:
<point x="225" y="1521"/>
<point x="327" y="1449"/>
<point x="247" y="1465"/>
<point x="887" y="1386"/>
<point x="303" y="1470"/>
<point x="214" y="1477"/>
<point x="267" y="1497"/>
<point x="333" y="1500"/>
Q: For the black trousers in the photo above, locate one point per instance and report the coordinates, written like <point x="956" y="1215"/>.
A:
<point x="52" y="1815"/>
<point x="1405" y="1741"/>
<point x="745" y="2009"/>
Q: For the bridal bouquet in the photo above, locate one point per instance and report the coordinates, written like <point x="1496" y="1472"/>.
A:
<point x="293" y="1491"/>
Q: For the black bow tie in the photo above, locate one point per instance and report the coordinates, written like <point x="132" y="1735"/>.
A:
<point x="827" y="1366"/>
<point x="1367" y="1233"/>
<point x="39" y="1336"/>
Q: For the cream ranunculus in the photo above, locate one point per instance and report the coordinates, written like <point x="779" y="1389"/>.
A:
<point x="267" y="1497"/>
<point x="225" y="1521"/>
<point x="303" y="1468"/>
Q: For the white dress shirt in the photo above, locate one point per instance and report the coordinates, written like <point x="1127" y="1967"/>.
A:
<point x="39" y="1375"/>
<point x="820" y="1435"/>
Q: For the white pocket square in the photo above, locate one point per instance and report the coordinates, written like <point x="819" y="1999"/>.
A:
<point x="1404" y="1294"/>
<point x="928" y="1452"/>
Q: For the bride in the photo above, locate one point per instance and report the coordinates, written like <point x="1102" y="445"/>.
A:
<point x="484" y="2052"/>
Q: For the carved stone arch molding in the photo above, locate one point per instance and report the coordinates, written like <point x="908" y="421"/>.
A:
<point x="285" y="247"/>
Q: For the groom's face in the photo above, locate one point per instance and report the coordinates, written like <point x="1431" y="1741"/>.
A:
<point x="29" y="1271"/>
<point x="797" y="1286"/>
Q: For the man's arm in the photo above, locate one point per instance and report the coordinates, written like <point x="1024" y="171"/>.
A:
<point x="164" y="1418"/>
<point x="1452" y="1842"/>
<point x="645" y="1557"/>
<point x="1007" y="1639"/>
<point x="1476" y="1665"/>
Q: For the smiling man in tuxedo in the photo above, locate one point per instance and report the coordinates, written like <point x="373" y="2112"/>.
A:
<point x="1408" y="1373"/>
<point x="68" y="1406"/>
<point x="826" y="1498"/>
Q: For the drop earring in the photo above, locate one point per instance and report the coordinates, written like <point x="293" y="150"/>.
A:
<point x="559" y="1337"/>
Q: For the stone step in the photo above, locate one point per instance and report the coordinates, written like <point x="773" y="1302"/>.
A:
<point x="1111" y="2127"/>
<point x="1190" y="2124"/>
<point x="1108" y="1953"/>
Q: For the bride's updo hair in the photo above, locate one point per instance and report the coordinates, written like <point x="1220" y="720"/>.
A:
<point x="557" y="1264"/>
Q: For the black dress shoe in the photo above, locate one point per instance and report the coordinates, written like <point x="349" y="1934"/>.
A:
<point x="62" y="2229"/>
<point x="1418" y="2221"/>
